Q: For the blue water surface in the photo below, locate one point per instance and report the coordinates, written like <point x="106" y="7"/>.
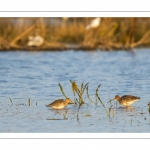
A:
<point x="36" y="75"/>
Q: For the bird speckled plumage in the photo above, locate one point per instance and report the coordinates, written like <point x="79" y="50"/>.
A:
<point x="60" y="103"/>
<point x="126" y="100"/>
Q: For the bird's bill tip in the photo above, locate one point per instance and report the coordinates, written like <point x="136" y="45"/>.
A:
<point x="71" y="102"/>
<point x="111" y="100"/>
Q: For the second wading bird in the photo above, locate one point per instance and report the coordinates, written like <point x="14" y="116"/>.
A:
<point x="126" y="100"/>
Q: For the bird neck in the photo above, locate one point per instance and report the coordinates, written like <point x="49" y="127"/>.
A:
<point x="118" y="98"/>
<point x="66" y="102"/>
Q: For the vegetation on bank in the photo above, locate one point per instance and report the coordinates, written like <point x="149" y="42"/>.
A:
<point x="71" y="33"/>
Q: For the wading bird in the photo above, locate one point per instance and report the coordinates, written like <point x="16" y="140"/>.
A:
<point x="126" y="100"/>
<point x="60" y="103"/>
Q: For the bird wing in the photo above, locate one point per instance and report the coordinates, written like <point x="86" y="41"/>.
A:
<point x="56" y="101"/>
<point x="130" y="98"/>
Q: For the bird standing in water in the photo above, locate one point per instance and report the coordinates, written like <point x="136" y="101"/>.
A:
<point x="126" y="100"/>
<point x="60" y="103"/>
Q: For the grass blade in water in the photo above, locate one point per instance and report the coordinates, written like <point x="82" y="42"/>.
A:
<point x="78" y="110"/>
<point x="10" y="100"/>
<point x="29" y="101"/>
<point x="100" y="99"/>
<point x="61" y="88"/>
<point x="75" y="100"/>
<point x="76" y="89"/>
<point x="98" y="96"/>
<point x="86" y="85"/>
<point x="82" y="85"/>
<point x="65" y="114"/>
<point x="88" y="94"/>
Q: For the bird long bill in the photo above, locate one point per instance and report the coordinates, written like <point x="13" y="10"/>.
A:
<point x="71" y="102"/>
<point x="111" y="100"/>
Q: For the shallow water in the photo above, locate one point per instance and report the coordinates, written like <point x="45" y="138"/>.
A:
<point x="36" y="75"/>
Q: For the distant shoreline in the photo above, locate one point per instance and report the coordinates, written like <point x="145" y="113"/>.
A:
<point x="66" y="48"/>
<point x="59" y="34"/>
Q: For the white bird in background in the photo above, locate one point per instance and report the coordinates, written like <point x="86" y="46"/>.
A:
<point x="93" y="24"/>
<point x="35" y="40"/>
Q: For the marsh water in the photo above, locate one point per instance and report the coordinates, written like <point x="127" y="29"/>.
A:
<point x="36" y="75"/>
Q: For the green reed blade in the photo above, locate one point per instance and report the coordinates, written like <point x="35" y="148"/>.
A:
<point x="113" y="112"/>
<point x="100" y="99"/>
<point x="95" y="102"/>
<point x="81" y="90"/>
<point x="96" y="93"/>
<point x="88" y="94"/>
<point x="75" y="86"/>
<point x="78" y="110"/>
<point x="98" y="96"/>
<point x="65" y="114"/>
<point x="29" y="101"/>
<point x="102" y="105"/>
<point x="109" y="110"/>
<point x="98" y="88"/>
<point x="74" y="96"/>
<point x="78" y="92"/>
<point x="10" y="100"/>
<point x="85" y="86"/>
<point x="131" y="122"/>
<point x="74" y="93"/>
<point x="61" y="88"/>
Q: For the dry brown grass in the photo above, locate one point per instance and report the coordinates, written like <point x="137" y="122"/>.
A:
<point x="113" y="33"/>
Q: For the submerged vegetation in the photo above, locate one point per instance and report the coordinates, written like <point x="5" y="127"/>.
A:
<point x="80" y="100"/>
<point x="73" y="33"/>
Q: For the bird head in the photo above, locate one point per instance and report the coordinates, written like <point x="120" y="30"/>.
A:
<point x="117" y="97"/>
<point x="69" y="101"/>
